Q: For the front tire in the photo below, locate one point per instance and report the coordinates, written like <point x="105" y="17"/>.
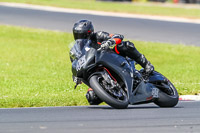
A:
<point x="95" y="83"/>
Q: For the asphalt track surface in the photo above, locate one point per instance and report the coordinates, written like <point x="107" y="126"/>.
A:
<point x="131" y="28"/>
<point x="184" y="118"/>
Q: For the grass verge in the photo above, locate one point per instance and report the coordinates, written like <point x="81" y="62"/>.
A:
<point x="135" y="8"/>
<point x="35" y="69"/>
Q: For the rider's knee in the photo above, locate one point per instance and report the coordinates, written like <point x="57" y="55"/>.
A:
<point x="125" y="47"/>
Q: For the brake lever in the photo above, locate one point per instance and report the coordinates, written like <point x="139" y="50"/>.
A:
<point x="77" y="81"/>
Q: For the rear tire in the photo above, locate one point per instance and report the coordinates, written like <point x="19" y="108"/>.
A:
<point x="167" y="99"/>
<point x="105" y="96"/>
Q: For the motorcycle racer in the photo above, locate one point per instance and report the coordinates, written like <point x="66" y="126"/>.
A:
<point x="84" y="29"/>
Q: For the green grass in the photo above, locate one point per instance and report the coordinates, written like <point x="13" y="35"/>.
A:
<point x="136" y="8"/>
<point x="35" y="69"/>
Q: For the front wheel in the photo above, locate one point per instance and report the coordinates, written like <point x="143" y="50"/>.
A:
<point x="115" y="97"/>
<point x="168" y="95"/>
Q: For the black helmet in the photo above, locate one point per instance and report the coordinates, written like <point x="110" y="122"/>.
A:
<point x="82" y="29"/>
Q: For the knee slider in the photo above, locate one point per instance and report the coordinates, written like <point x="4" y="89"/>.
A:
<point x="92" y="98"/>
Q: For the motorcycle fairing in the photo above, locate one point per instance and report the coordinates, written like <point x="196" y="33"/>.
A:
<point x="83" y="56"/>
<point x="143" y="93"/>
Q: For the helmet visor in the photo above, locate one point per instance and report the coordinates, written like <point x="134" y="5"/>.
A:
<point x="80" y="36"/>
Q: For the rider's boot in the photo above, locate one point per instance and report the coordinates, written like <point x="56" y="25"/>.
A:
<point x="92" y="97"/>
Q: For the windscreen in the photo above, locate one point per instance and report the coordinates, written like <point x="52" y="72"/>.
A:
<point x="76" y="50"/>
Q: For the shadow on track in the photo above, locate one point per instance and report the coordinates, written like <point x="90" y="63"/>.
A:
<point x="130" y="107"/>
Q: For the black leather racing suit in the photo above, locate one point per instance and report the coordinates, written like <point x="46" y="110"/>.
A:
<point x="122" y="48"/>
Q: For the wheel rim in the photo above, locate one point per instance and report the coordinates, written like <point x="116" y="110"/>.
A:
<point x="118" y="94"/>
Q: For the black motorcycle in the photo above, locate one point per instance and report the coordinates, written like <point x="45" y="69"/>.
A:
<point x="115" y="80"/>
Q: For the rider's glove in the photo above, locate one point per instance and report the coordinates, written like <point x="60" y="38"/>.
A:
<point x="107" y="44"/>
<point x="149" y="68"/>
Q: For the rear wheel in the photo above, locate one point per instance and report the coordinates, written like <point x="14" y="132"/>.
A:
<point x="168" y="95"/>
<point x="114" y="96"/>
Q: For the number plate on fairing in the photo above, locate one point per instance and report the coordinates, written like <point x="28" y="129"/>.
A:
<point x="80" y="63"/>
<point x="155" y="92"/>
